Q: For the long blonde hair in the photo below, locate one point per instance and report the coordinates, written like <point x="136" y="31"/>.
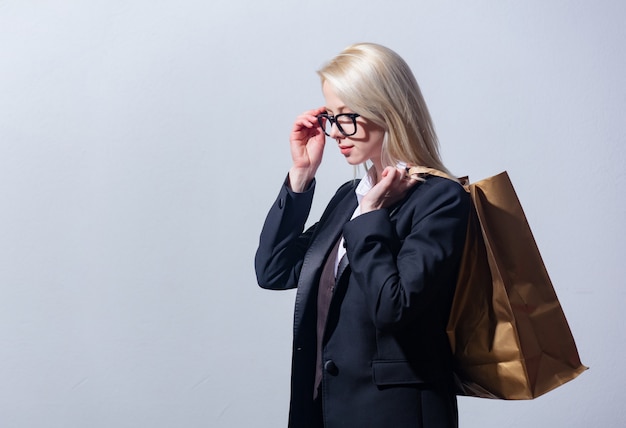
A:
<point x="377" y="83"/>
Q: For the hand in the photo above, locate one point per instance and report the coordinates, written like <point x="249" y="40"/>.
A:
<point x="307" y="142"/>
<point x="391" y="188"/>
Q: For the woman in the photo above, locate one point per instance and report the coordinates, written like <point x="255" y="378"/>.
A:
<point x="376" y="274"/>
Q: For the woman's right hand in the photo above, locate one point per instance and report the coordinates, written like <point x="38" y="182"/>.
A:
<point x="307" y="142"/>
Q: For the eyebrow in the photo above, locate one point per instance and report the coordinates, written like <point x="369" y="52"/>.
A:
<point x="340" y="109"/>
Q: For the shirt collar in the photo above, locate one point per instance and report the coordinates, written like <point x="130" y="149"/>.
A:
<point x="364" y="186"/>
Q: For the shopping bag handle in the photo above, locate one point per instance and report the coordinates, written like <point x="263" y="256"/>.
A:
<point x="417" y="170"/>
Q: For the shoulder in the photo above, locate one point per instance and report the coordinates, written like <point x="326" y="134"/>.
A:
<point x="349" y="186"/>
<point x="434" y="186"/>
<point x="345" y="189"/>
<point x="435" y="193"/>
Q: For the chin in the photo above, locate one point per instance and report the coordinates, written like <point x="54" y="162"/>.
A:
<point x="353" y="160"/>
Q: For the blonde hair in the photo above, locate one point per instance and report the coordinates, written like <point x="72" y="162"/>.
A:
<point x="377" y="83"/>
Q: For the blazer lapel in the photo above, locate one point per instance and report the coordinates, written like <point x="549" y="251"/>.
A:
<point x="327" y="235"/>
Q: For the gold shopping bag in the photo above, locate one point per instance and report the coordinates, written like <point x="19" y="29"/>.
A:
<point x="508" y="333"/>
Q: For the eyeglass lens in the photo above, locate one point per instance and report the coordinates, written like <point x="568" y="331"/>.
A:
<point x="345" y="123"/>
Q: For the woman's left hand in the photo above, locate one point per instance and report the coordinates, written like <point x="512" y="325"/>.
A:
<point x="390" y="189"/>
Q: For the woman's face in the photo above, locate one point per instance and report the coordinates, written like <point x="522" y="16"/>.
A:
<point x="365" y="144"/>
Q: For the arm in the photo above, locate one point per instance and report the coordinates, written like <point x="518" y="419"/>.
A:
<point x="403" y="276"/>
<point x="282" y="244"/>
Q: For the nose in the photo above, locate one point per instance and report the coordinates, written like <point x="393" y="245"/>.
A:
<point x="334" y="131"/>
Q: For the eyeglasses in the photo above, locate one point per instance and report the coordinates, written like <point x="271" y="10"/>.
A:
<point x="346" y="123"/>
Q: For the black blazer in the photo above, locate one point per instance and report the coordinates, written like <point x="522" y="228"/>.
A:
<point x="386" y="357"/>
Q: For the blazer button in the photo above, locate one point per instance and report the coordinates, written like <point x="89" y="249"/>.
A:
<point x="331" y="368"/>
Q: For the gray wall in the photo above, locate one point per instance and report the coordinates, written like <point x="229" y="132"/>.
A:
<point x="141" y="143"/>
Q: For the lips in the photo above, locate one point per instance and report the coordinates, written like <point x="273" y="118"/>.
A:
<point x="345" y="150"/>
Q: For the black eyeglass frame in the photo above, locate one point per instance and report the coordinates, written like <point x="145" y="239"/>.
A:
<point x="333" y="120"/>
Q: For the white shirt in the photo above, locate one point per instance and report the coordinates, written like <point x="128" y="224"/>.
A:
<point x="361" y="190"/>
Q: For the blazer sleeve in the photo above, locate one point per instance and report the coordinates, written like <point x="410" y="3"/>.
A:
<point x="401" y="275"/>
<point x="282" y="243"/>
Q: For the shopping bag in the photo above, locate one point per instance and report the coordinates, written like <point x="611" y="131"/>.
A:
<point x="508" y="333"/>
<point x="507" y="330"/>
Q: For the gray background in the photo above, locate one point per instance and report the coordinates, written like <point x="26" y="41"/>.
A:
<point x="141" y="143"/>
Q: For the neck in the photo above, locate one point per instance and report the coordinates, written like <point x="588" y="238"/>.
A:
<point x="375" y="171"/>
<point x="374" y="176"/>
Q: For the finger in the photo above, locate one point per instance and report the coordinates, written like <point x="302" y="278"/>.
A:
<point x="306" y="120"/>
<point x="312" y="114"/>
<point x="395" y="175"/>
<point x="387" y="171"/>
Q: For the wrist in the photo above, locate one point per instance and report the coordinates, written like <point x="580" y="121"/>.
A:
<point x="368" y="208"/>
<point x="300" y="179"/>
